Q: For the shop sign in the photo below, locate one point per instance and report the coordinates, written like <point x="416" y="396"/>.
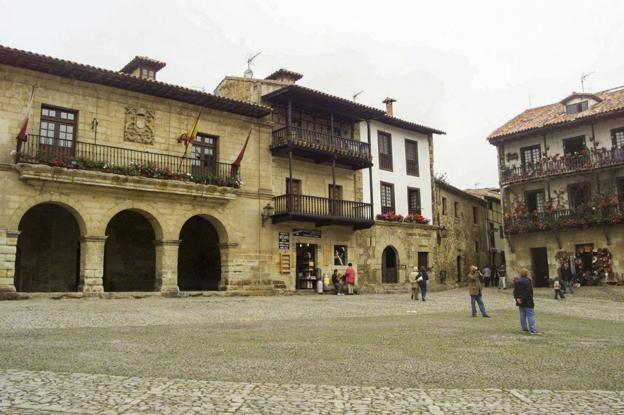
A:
<point x="284" y="241"/>
<point x="307" y="233"/>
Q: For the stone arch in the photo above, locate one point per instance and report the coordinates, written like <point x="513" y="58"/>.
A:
<point x="214" y="221"/>
<point x="199" y="254"/>
<point x="130" y="251"/>
<point x="152" y="216"/>
<point x="75" y="208"/>
<point x="390" y="265"/>
<point x="48" y="249"/>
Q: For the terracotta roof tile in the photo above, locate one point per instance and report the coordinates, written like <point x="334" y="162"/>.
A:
<point x="554" y="115"/>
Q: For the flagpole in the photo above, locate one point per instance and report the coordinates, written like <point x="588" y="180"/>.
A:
<point x="188" y="139"/>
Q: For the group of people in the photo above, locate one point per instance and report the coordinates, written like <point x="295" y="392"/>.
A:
<point x="338" y="280"/>
<point x="418" y="279"/>
<point x="523" y="295"/>
<point x="496" y="277"/>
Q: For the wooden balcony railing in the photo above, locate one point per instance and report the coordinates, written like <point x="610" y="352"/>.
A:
<point x="571" y="218"/>
<point x="322" y="209"/>
<point x="88" y="156"/>
<point x="567" y="164"/>
<point x="321" y="142"/>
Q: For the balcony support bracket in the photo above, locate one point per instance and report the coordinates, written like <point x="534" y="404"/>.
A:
<point x="606" y="235"/>
<point x="556" y="234"/>
<point x="511" y="245"/>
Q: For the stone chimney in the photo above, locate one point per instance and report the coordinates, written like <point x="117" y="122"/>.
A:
<point x="285" y="76"/>
<point x="389" y="110"/>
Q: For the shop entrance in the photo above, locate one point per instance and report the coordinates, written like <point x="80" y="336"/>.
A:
<point x="585" y="252"/>
<point x="306" y="266"/>
<point x="539" y="260"/>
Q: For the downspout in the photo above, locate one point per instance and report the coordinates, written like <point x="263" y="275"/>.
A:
<point x="370" y="170"/>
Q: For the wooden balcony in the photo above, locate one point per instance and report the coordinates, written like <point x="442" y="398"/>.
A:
<point x="322" y="211"/>
<point x="321" y="147"/>
<point x="79" y="155"/>
<point x="593" y="160"/>
<point x="562" y="219"/>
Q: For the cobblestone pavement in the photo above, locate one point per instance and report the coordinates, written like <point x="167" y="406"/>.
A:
<point x="28" y="392"/>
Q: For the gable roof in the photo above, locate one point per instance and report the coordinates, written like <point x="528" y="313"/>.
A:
<point x="87" y="73"/>
<point x="611" y="102"/>
<point x="138" y="61"/>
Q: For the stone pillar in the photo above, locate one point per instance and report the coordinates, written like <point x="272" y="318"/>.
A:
<point x="8" y="250"/>
<point x="230" y="272"/>
<point x="92" y="264"/>
<point x="167" y="267"/>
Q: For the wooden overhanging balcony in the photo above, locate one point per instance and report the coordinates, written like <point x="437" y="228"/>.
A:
<point x="561" y="219"/>
<point x="593" y="160"/>
<point x="322" y="211"/>
<point x="321" y="147"/>
<point x="80" y="155"/>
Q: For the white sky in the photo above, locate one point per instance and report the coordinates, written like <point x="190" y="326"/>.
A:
<point x="464" y="67"/>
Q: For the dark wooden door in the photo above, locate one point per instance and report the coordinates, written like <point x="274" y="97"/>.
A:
<point x="423" y="260"/>
<point x="389" y="265"/>
<point x="539" y="259"/>
<point x="293" y="190"/>
<point x="57" y="133"/>
<point x="204" y="156"/>
<point x="335" y="200"/>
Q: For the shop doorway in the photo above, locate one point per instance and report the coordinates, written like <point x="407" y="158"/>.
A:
<point x="306" y="266"/>
<point x="585" y="252"/>
<point x="423" y="260"/>
<point x="539" y="260"/>
<point x="389" y="264"/>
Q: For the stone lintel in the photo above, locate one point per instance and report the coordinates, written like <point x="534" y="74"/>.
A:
<point x="168" y="242"/>
<point x="93" y="238"/>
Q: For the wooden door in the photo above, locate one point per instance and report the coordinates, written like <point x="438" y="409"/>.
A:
<point x="389" y="265"/>
<point x="539" y="259"/>
<point x="335" y="200"/>
<point x="293" y="190"/>
<point x="204" y="160"/>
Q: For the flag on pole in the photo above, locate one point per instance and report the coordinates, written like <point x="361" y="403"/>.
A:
<point x="24" y="126"/>
<point x="192" y="134"/>
<point x="236" y="164"/>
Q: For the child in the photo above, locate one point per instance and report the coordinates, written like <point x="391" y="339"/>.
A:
<point x="557" y="288"/>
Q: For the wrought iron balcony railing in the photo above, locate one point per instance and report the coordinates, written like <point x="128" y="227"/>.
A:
<point x="322" y="210"/>
<point x="559" y="219"/>
<point x="568" y="164"/>
<point x="320" y="142"/>
<point x="88" y="156"/>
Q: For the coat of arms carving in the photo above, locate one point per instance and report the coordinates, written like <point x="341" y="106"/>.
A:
<point x="139" y="127"/>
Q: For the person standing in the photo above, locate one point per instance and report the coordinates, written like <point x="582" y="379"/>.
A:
<point x="475" y="285"/>
<point x="523" y="293"/>
<point x="557" y="288"/>
<point x="502" y="277"/>
<point x="350" y="278"/>
<point x="413" y="279"/>
<point x="422" y="282"/>
<point x="567" y="277"/>
<point x="487" y="275"/>
<point x="337" y="281"/>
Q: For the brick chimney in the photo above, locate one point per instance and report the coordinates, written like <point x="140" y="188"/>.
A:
<point x="388" y="101"/>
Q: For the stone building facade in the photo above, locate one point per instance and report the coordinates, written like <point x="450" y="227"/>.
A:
<point x="562" y="182"/>
<point x="462" y="238"/>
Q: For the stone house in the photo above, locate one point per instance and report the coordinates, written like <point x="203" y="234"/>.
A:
<point x="561" y="171"/>
<point x="494" y="224"/>
<point x="462" y="237"/>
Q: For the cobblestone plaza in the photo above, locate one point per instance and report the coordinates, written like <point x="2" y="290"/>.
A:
<point x="311" y="354"/>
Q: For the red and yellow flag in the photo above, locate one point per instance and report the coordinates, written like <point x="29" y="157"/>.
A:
<point x="192" y="134"/>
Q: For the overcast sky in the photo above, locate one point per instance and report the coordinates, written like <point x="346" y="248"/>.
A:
<point x="464" y="67"/>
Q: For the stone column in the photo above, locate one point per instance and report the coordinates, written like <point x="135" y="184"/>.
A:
<point x="167" y="267"/>
<point x="92" y="264"/>
<point x="230" y="272"/>
<point x="8" y="250"/>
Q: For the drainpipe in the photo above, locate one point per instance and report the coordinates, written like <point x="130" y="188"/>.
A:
<point x="370" y="169"/>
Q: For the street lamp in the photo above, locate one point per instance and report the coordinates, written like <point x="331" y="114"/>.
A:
<point x="267" y="212"/>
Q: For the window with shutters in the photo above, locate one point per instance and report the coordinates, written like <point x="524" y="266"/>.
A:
<point x="384" y="142"/>
<point x="530" y="155"/>
<point x="411" y="157"/>
<point x="413" y="201"/>
<point x="617" y="137"/>
<point x="57" y="130"/>
<point x="387" y="197"/>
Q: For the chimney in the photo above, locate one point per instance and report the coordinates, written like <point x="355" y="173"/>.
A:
<point x="285" y="76"/>
<point x="143" y="67"/>
<point x="388" y="101"/>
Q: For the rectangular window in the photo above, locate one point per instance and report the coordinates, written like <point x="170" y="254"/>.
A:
<point x="577" y="107"/>
<point x="413" y="201"/>
<point x="57" y="129"/>
<point x="340" y="255"/>
<point x="617" y="137"/>
<point x="384" y="142"/>
<point x="535" y="201"/>
<point x="620" y="191"/>
<point x="579" y="194"/>
<point x="574" y="145"/>
<point x="444" y="207"/>
<point x="387" y="197"/>
<point x="530" y="155"/>
<point x="475" y="215"/>
<point x="456" y="209"/>
<point x="204" y="153"/>
<point x="411" y="157"/>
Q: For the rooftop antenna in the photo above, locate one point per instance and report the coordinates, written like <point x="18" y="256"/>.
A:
<point x="530" y="101"/>
<point x="356" y="94"/>
<point x="584" y="77"/>
<point x="477" y="184"/>
<point x="248" y="72"/>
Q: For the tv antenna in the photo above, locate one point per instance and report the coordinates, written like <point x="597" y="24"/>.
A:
<point x="584" y="77"/>
<point x="356" y="94"/>
<point x="248" y="72"/>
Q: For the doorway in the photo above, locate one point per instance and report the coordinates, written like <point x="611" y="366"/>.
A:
<point x="389" y="266"/>
<point x="199" y="258"/>
<point x="586" y="254"/>
<point x="458" y="262"/>
<point x="539" y="261"/>
<point x="423" y="260"/>
<point x="306" y="266"/>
